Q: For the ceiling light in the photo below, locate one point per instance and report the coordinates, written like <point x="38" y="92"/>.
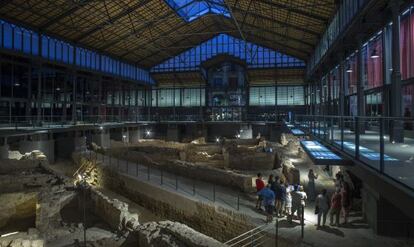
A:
<point x="349" y="69"/>
<point x="374" y="54"/>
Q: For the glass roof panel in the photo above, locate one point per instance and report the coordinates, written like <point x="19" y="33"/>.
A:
<point x="190" y="10"/>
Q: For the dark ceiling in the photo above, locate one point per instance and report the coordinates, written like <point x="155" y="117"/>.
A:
<point x="147" y="32"/>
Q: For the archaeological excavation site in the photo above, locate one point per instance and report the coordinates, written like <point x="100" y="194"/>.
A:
<point x="186" y="123"/>
<point x="117" y="186"/>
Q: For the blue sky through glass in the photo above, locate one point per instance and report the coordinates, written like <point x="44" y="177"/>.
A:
<point x="190" y="10"/>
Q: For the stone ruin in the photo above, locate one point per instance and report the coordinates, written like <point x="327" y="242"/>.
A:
<point x="40" y="207"/>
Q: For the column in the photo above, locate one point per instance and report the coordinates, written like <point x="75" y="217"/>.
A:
<point x="329" y="98"/>
<point x="39" y="94"/>
<point x="360" y="87"/>
<point x="29" y="94"/>
<point x="74" y="117"/>
<point x="397" y="131"/>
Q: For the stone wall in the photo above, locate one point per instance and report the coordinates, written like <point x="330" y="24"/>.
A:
<point x="167" y="233"/>
<point x="17" y="207"/>
<point x="218" y="222"/>
<point x="113" y="212"/>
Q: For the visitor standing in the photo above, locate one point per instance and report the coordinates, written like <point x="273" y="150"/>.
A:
<point x="259" y="186"/>
<point x="335" y="207"/>
<point x="298" y="201"/>
<point x="345" y="201"/>
<point x="288" y="202"/>
<point x="280" y="198"/>
<point x="322" y="207"/>
<point x="311" y="184"/>
<point x="268" y="201"/>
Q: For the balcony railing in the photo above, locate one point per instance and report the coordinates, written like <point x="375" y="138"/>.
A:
<point x="383" y="144"/>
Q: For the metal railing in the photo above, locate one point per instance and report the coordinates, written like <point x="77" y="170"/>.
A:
<point x="255" y="237"/>
<point x="18" y="122"/>
<point x="384" y="144"/>
<point x="172" y="181"/>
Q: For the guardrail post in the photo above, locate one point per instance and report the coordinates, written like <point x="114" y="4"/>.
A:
<point x="357" y="131"/>
<point x="214" y="193"/>
<point x="302" y="223"/>
<point x="127" y="163"/>
<point x="277" y="232"/>
<point x="194" y="188"/>
<point x="341" y="120"/>
<point x="382" y="145"/>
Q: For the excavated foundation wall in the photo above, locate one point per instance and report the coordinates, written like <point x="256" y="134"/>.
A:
<point x="219" y="223"/>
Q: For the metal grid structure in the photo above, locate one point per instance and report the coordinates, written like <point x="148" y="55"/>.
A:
<point x="148" y="32"/>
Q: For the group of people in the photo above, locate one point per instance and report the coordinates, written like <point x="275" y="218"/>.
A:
<point x="282" y="199"/>
<point x="279" y="198"/>
<point x="339" y="203"/>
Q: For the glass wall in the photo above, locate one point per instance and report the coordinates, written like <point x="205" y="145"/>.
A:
<point x="284" y="95"/>
<point x="351" y="75"/>
<point x="373" y="62"/>
<point x="255" y="56"/>
<point x="26" y="41"/>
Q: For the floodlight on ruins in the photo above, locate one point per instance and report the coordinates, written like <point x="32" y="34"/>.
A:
<point x="148" y="133"/>
<point x="217" y="139"/>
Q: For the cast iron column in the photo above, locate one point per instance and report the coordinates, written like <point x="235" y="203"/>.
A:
<point x="396" y="133"/>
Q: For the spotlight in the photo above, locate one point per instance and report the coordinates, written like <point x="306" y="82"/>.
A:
<point x="374" y="54"/>
<point x="217" y="139"/>
<point x="238" y="135"/>
<point x="349" y="69"/>
<point x="148" y="133"/>
<point x="58" y="89"/>
<point x="17" y="84"/>
<point x="80" y="177"/>
<point x="101" y="127"/>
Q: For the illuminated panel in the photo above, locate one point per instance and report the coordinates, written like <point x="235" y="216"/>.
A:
<point x="318" y="132"/>
<point x="318" y="151"/>
<point x="297" y="132"/>
<point x="365" y="152"/>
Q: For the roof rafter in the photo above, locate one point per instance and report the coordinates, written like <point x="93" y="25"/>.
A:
<point x="118" y="16"/>
<point x="66" y="13"/>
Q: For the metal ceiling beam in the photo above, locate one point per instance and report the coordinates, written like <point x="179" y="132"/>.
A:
<point x="276" y="4"/>
<point x="177" y="53"/>
<point x="283" y="24"/>
<point x="287" y="37"/>
<point x="142" y="28"/>
<point x="4" y="3"/>
<point x="112" y="21"/>
<point x="66" y="13"/>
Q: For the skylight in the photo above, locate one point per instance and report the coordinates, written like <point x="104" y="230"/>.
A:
<point x="190" y="10"/>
